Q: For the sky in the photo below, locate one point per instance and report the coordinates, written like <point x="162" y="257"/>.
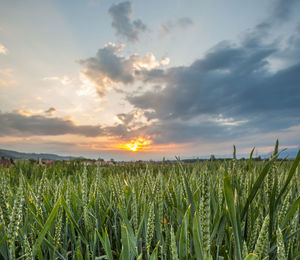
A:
<point x="135" y="80"/>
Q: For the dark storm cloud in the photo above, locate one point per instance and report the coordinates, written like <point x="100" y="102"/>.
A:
<point x="119" y="130"/>
<point x="291" y="53"/>
<point x="208" y="85"/>
<point x="14" y="124"/>
<point x="283" y="9"/>
<point x="181" y="23"/>
<point x="127" y="28"/>
<point x="233" y="91"/>
<point x="231" y="81"/>
<point x="179" y="132"/>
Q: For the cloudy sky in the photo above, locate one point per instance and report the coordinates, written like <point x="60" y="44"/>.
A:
<point x="188" y="78"/>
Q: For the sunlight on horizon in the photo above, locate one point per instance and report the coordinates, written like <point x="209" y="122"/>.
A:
<point x="136" y="145"/>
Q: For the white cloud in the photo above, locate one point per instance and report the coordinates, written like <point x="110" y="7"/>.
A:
<point x="180" y="23"/>
<point x="3" y="50"/>
<point x="148" y="62"/>
<point x="65" y="80"/>
<point x="109" y="68"/>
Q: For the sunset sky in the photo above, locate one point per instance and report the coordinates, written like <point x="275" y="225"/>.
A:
<point x="102" y="78"/>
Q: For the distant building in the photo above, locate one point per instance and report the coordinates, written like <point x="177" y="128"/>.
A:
<point x="6" y="162"/>
<point x="107" y="163"/>
<point x="46" y="162"/>
<point x="88" y="162"/>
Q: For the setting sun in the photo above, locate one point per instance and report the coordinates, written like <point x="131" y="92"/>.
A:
<point x="137" y="144"/>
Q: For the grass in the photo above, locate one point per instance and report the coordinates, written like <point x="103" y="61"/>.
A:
<point x="208" y="210"/>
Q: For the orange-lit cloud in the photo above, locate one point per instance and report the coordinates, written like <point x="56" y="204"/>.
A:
<point x="6" y="76"/>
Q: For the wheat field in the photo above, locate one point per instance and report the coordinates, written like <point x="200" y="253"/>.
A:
<point x="221" y="209"/>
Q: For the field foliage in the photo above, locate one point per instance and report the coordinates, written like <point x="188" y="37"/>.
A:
<point x="239" y="209"/>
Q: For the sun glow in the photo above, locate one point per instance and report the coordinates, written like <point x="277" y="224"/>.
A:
<point x="137" y="144"/>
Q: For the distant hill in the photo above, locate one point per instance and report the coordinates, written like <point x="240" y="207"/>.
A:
<point x="45" y="156"/>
